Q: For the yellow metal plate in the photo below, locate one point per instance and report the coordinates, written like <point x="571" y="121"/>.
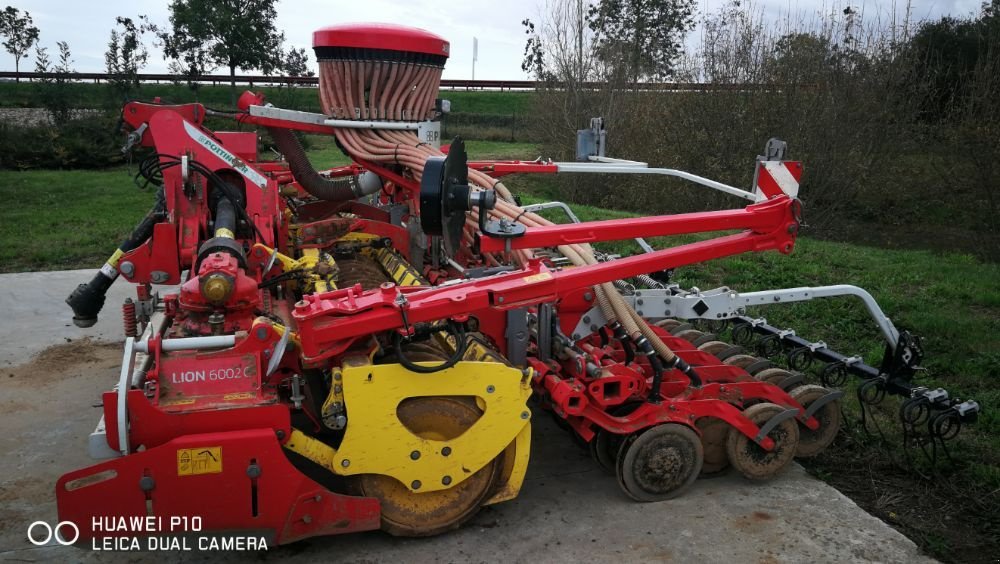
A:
<point x="202" y="460"/>
<point x="376" y="441"/>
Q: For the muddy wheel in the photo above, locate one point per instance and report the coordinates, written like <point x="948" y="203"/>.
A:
<point x="812" y="442"/>
<point x="689" y="335"/>
<point x="761" y="365"/>
<point x="741" y="360"/>
<point x="772" y="375"/>
<point x="749" y="458"/>
<point x="730" y="351"/>
<point x="409" y="514"/>
<point x="714" y="348"/>
<point x="680" y="328"/>
<point x="667" y="324"/>
<point x="714" y="433"/>
<point x="660" y="463"/>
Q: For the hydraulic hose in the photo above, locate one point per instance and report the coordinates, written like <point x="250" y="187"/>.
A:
<point x="88" y="299"/>
<point x="331" y="189"/>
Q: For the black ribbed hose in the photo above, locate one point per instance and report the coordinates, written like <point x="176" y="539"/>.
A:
<point x="330" y="189"/>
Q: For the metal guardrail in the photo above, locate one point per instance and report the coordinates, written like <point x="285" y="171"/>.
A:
<point x="452" y="84"/>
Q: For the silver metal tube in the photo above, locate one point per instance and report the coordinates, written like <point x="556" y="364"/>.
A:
<point x="772" y="297"/>
<point x="358" y="124"/>
<point x="589" y="168"/>
<point x="191" y="343"/>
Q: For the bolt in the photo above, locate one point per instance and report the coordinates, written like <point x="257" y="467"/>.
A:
<point x="445" y="451"/>
<point x="525" y="415"/>
<point x="345" y="463"/>
<point x="318" y="498"/>
<point x="500" y="299"/>
<point x="638" y="302"/>
<point x="127" y="268"/>
<point x="666" y="301"/>
<point x="777" y="298"/>
<point x="446" y="480"/>
<point x="337" y="376"/>
<point x="490" y="389"/>
<point x="415" y="455"/>
<point x="262" y="333"/>
<point x="593" y="327"/>
<point x="576" y="336"/>
<point x="253" y="471"/>
<point x="639" y="312"/>
<point x="280" y="434"/>
<point x="147" y="483"/>
<point x="307" y="519"/>
<point x="588" y="297"/>
<point x="415" y="485"/>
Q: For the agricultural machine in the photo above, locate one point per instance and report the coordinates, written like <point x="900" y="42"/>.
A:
<point x="356" y="348"/>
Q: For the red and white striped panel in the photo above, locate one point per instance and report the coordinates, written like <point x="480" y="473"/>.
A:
<point x="778" y="177"/>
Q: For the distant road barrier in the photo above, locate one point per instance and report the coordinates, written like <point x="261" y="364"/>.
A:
<point x="262" y="80"/>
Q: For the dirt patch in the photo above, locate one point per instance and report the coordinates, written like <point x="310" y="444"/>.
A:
<point x="944" y="514"/>
<point x="64" y="360"/>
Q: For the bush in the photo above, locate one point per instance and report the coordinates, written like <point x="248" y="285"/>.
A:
<point x="86" y="142"/>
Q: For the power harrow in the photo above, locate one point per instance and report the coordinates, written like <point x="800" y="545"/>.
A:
<point x="356" y="348"/>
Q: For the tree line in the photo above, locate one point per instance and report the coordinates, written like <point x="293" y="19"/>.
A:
<point x="201" y="36"/>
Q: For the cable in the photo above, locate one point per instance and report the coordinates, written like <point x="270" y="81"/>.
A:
<point x="452" y="327"/>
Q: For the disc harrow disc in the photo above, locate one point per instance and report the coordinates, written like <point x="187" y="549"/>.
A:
<point x="659" y="463"/>
<point x="812" y="442"/>
<point x="414" y="514"/>
<point x="749" y="458"/>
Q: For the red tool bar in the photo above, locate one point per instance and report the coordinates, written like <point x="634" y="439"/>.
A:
<point x="756" y="217"/>
<point x="328" y="323"/>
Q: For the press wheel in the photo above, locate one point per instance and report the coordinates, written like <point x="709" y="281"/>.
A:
<point x="773" y="375"/>
<point x="714" y="347"/>
<point x="411" y="514"/>
<point x="812" y="442"/>
<point x="714" y="433"/>
<point x="741" y="360"/>
<point x="749" y="458"/>
<point x="659" y="463"/>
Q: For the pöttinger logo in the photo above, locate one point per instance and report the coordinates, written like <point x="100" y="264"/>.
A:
<point x="43" y="529"/>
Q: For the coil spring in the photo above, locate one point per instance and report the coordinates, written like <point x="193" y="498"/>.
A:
<point x="129" y="321"/>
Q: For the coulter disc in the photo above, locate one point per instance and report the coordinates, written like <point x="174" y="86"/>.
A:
<point x="413" y="514"/>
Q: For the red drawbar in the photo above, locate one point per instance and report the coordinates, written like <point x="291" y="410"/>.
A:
<point x="381" y="36"/>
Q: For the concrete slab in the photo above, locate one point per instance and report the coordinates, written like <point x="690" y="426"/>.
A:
<point x="568" y="511"/>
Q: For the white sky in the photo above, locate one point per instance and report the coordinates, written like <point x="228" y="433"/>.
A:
<point x="86" y="24"/>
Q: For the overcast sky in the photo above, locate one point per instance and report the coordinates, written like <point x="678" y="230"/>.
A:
<point x="86" y="24"/>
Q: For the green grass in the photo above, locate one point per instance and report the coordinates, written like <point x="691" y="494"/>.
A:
<point x="90" y="95"/>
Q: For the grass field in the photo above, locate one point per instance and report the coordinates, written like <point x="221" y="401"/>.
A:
<point x="73" y="219"/>
<point x="90" y="95"/>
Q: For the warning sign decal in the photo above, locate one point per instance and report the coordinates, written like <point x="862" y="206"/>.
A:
<point x="202" y="460"/>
